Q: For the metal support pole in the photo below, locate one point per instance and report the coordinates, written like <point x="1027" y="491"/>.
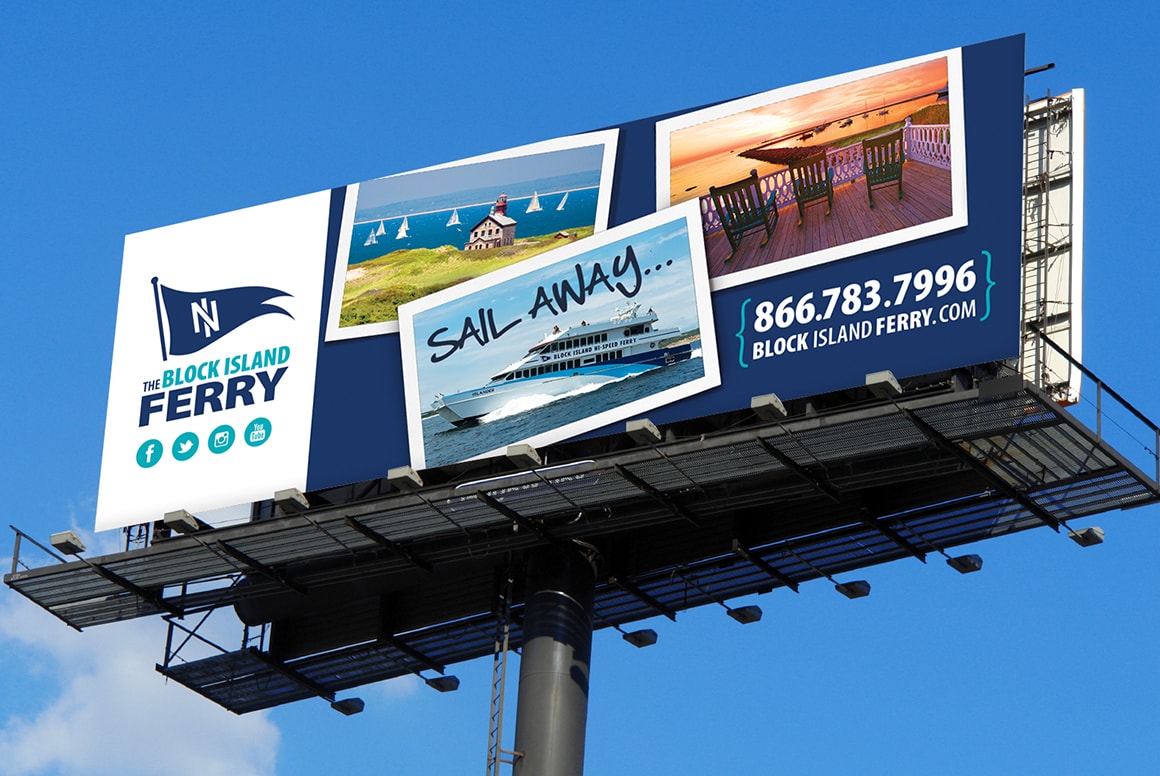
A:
<point x="552" y="708"/>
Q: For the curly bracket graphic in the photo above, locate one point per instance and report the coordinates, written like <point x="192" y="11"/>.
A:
<point x="741" y="336"/>
<point x="990" y="285"/>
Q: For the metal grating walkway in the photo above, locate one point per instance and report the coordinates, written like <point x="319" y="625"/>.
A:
<point x="678" y="525"/>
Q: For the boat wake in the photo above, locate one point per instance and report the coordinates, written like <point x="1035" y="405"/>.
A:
<point x="535" y="401"/>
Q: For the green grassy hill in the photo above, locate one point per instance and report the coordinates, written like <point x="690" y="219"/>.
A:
<point x="374" y="289"/>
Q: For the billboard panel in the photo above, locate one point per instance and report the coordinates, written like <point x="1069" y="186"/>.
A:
<point x="793" y="310"/>
<point x="214" y="361"/>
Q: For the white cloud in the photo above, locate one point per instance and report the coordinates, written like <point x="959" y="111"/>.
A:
<point x="105" y="710"/>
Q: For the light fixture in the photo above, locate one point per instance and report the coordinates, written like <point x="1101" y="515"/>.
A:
<point x="181" y="521"/>
<point x="768" y="406"/>
<point x="857" y="589"/>
<point x="291" y="500"/>
<point x="745" y="614"/>
<point x="67" y="542"/>
<point x="443" y="683"/>
<point x="883" y="385"/>
<point x="348" y="706"/>
<point x="643" y="431"/>
<point x="404" y="478"/>
<point x="1087" y="537"/>
<point x="965" y="564"/>
<point x="641" y="638"/>
<point x="523" y="455"/>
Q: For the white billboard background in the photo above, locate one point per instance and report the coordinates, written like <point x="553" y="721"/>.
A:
<point x="281" y="245"/>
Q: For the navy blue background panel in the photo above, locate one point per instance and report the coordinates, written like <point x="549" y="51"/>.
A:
<point x="359" y="426"/>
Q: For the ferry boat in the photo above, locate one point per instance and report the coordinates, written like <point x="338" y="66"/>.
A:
<point x="589" y="354"/>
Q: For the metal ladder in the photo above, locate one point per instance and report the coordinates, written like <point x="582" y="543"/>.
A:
<point x="496" y="754"/>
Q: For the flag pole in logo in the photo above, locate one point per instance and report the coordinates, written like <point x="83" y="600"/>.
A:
<point x="194" y="319"/>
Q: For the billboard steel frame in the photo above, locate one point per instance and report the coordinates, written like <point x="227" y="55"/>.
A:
<point x="722" y="507"/>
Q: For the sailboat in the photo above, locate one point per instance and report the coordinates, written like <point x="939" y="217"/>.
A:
<point x="402" y="233"/>
<point x="381" y="230"/>
<point x="534" y="205"/>
<point x="371" y="238"/>
<point x="565" y="199"/>
<point x="454" y="220"/>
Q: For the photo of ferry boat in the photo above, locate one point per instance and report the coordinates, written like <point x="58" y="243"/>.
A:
<point x="576" y="340"/>
<point x="628" y="343"/>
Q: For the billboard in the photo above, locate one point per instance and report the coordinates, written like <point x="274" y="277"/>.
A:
<point x="672" y="266"/>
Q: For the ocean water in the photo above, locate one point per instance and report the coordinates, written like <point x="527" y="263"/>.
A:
<point x="430" y="229"/>
<point x="444" y="443"/>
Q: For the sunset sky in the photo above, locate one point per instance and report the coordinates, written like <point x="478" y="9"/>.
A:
<point x="785" y="116"/>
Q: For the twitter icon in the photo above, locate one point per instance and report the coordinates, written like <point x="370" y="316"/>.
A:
<point x="185" y="446"/>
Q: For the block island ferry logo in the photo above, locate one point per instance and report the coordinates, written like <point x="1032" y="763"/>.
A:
<point x="195" y="319"/>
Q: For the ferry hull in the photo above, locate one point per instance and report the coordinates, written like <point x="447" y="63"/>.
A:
<point x="467" y="407"/>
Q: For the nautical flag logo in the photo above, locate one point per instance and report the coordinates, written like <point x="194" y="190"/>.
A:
<point x="196" y="319"/>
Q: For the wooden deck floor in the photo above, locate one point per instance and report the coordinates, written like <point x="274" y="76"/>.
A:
<point x="926" y="195"/>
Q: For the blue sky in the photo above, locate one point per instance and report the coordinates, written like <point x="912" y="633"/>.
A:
<point x="120" y="118"/>
<point x="505" y="173"/>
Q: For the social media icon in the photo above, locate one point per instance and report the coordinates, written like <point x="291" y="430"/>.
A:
<point x="149" y="453"/>
<point x="257" y="432"/>
<point x="220" y="439"/>
<point x="185" y="446"/>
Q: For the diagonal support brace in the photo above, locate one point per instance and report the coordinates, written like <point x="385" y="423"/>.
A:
<point x="259" y="567"/>
<point x="642" y="596"/>
<point x="657" y="495"/>
<point x="745" y="553"/>
<point x="997" y="482"/>
<point x="801" y="471"/>
<point x="393" y="546"/>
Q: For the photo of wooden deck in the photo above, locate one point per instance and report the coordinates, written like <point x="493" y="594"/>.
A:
<point x="926" y="197"/>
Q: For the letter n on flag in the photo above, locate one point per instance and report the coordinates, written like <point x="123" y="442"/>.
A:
<point x="195" y="319"/>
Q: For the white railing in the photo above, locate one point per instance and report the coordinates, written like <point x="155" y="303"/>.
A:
<point x="926" y="143"/>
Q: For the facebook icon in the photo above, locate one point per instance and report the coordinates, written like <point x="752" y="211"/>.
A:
<point x="149" y="453"/>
